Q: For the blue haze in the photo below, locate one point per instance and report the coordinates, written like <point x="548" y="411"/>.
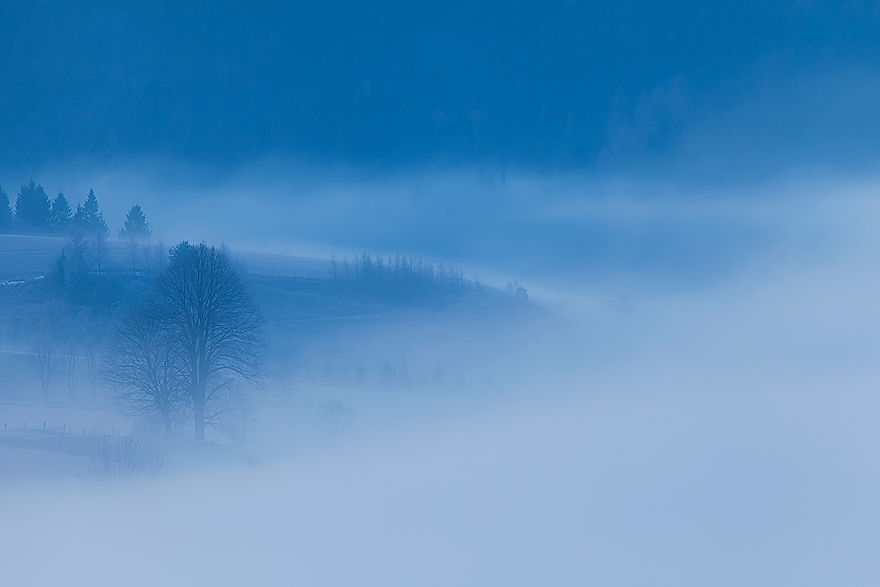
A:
<point x="688" y="189"/>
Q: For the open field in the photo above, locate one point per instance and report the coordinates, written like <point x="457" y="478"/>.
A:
<point x="338" y="351"/>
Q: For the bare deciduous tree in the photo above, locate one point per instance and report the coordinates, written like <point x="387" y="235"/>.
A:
<point x="216" y="328"/>
<point x="143" y="364"/>
<point x="92" y="341"/>
<point x="42" y="339"/>
<point x="70" y="347"/>
<point x="43" y="353"/>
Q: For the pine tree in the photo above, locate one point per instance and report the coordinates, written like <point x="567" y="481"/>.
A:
<point x="136" y="230"/>
<point x="88" y="229"/>
<point x="78" y="222"/>
<point x="136" y="227"/>
<point x="5" y="211"/>
<point x="91" y="220"/>
<point x="32" y="208"/>
<point x="60" y="215"/>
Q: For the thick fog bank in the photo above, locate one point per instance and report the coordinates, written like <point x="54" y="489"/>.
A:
<point x="623" y="233"/>
<point x="683" y="480"/>
<point x="729" y="437"/>
<point x="716" y="434"/>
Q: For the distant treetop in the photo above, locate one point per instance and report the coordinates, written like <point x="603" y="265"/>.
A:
<point x="32" y="208"/>
<point x="88" y="217"/>
<point x="5" y="211"/>
<point x="136" y="227"/>
<point x="60" y="215"/>
<point x="34" y="213"/>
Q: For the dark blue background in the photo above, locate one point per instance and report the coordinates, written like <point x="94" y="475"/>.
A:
<point x="382" y="84"/>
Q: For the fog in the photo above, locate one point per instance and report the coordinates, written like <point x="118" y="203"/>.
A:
<point x="570" y="293"/>
<point x="576" y="228"/>
<point x="693" y="414"/>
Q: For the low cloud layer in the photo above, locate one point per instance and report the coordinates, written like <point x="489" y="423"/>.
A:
<point x="711" y="435"/>
<point x="571" y="231"/>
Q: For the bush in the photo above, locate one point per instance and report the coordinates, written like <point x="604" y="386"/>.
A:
<point x="335" y="417"/>
<point x="128" y="457"/>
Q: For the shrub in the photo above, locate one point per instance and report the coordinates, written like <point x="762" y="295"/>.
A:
<point x="128" y="457"/>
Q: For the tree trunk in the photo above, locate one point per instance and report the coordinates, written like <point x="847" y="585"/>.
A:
<point x="43" y="358"/>
<point x="199" y="418"/>
<point x="90" y="364"/>
<point x="165" y="415"/>
<point x="71" y="375"/>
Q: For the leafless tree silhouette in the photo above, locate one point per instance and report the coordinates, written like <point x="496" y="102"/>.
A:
<point x="143" y="364"/>
<point x="217" y="330"/>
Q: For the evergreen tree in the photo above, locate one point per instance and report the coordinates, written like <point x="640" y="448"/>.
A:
<point x="60" y="215"/>
<point x="136" y="227"/>
<point x="76" y="260"/>
<point x="136" y="230"/>
<point x="5" y="211"/>
<point x="89" y="218"/>
<point x="88" y="229"/>
<point x="32" y="208"/>
<point x="78" y="222"/>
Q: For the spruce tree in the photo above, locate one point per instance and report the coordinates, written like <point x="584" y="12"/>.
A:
<point x="60" y="215"/>
<point x="135" y="230"/>
<point x="32" y="208"/>
<point x="91" y="218"/>
<point x="78" y="222"/>
<point x="88" y="229"/>
<point x="136" y="227"/>
<point x="5" y="211"/>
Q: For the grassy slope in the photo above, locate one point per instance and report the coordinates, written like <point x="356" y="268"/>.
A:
<point x="300" y="301"/>
<point x="291" y="290"/>
<point x="26" y="257"/>
<point x="303" y="306"/>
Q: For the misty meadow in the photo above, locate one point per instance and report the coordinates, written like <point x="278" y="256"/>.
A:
<point x="561" y="293"/>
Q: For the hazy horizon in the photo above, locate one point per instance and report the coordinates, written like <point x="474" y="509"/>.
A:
<point x="506" y="293"/>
